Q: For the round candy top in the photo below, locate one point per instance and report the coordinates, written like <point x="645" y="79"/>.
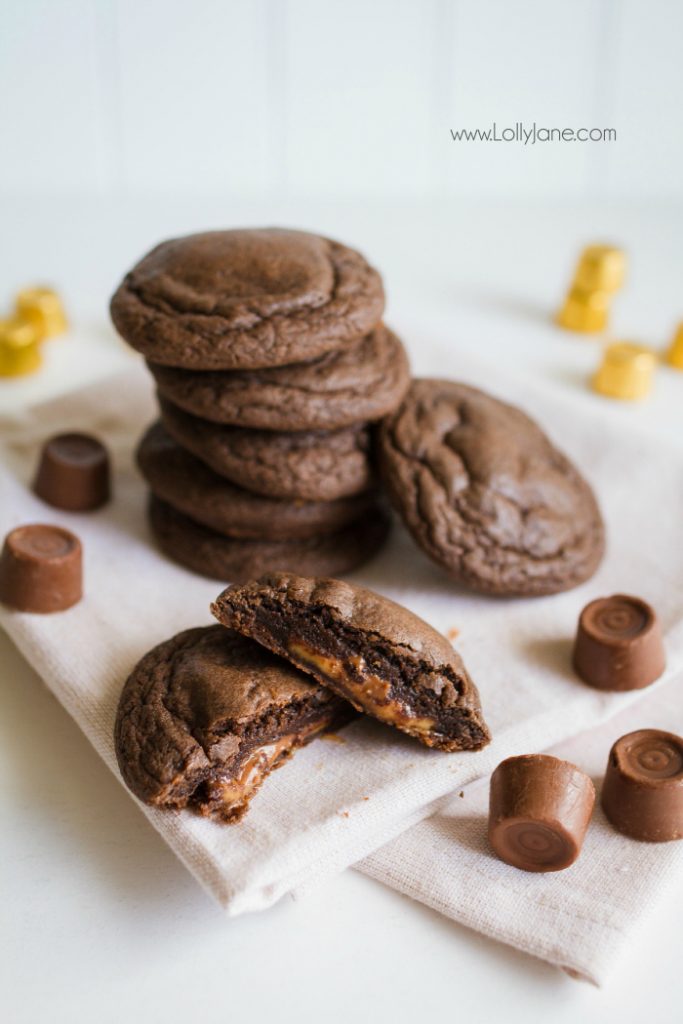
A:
<point x="42" y="543"/>
<point x="650" y="756"/>
<point x="76" y="449"/>
<point x="617" y="619"/>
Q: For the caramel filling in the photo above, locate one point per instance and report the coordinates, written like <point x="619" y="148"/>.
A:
<point x="227" y="796"/>
<point x="369" y="692"/>
<point x="254" y="769"/>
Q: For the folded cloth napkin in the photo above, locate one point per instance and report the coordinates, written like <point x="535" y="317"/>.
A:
<point x="335" y="803"/>
<point x="580" y="919"/>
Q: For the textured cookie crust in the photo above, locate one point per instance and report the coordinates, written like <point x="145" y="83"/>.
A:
<point x="375" y="653"/>
<point x="206" y="715"/>
<point x="224" y="558"/>
<point x="486" y="495"/>
<point x="304" y="466"/>
<point x="246" y="299"/>
<point x="356" y="384"/>
<point x="184" y="482"/>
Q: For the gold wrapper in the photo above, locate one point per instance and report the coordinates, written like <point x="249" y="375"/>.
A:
<point x="674" y="355"/>
<point x="626" y="371"/>
<point x="19" y="348"/>
<point x="584" y="311"/>
<point x="43" y="308"/>
<point x="601" y="268"/>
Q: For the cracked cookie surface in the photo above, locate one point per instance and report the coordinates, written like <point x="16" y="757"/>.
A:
<point x="377" y="654"/>
<point x="305" y="466"/>
<point x="359" y="383"/>
<point x="186" y="483"/>
<point x="205" y="716"/>
<point x="219" y="557"/>
<point x="485" y="493"/>
<point x="246" y="299"/>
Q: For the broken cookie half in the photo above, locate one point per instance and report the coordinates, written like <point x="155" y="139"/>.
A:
<point x="378" y="655"/>
<point x="205" y="716"/>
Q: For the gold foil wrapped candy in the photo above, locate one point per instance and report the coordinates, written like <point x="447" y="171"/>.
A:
<point x="601" y="268"/>
<point x="626" y="371"/>
<point x="584" y="311"/>
<point x="43" y="308"/>
<point x="598" y="275"/>
<point x="19" y="348"/>
<point x="674" y="356"/>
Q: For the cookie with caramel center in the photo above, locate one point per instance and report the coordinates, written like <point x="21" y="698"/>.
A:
<point x="377" y="654"/>
<point x="205" y="716"/>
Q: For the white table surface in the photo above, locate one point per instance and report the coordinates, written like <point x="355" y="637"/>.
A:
<point x="99" y="920"/>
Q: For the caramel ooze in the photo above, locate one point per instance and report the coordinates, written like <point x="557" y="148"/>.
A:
<point x="253" y="770"/>
<point x="260" y="762"/>
<point x="372" y="693"/>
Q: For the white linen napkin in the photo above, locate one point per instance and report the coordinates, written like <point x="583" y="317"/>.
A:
<point x="580" y="919"/>
<point x="335" y="803"/>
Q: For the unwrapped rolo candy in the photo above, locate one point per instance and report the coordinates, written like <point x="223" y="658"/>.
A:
<point x="539" y="811"/>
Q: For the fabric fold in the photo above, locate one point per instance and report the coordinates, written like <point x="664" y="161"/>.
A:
<point x="337" y="802"/>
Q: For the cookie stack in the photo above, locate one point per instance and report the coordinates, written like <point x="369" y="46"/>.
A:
<point x="271" y="364"/>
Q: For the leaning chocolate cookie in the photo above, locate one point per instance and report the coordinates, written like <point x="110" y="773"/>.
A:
<point x="303" y="465"/>
<point x="486" y="495"/>
<point x="359" y="383"/>
<point x="207" y="715"/>
<point x="183" y="481"/>
<point x="246" y="299"/>
<point x="219" y="557"/>
<point x="378" y="655"/>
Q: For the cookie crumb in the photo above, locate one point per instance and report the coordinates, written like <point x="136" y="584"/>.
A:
<point x="332" y="737"/>
<point x="452" y="634"/>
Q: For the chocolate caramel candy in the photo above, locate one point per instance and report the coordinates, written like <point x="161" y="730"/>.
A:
<point x="619" y="644"/>
<point x="539" y="811"/>
<point x="73" y="473"/>
<point x="41" y="569"/>
<point x="642" y="794"/>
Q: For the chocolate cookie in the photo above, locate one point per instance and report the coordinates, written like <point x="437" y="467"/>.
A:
<point x="315" y="466"/>
<point x="225" y="558"/>
<point x="378" y="655"/>
<point x="352" y="385"/>
<point x="192" y="488"/>
<point x="486" y="495"/>
<point x="204" y="717"/>
<point x="246" y="299"/>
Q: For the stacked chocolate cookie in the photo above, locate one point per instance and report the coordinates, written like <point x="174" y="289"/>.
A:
<point x="271" y="364"/>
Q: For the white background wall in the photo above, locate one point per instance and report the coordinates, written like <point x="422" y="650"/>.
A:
<point x="338" y="97"/>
